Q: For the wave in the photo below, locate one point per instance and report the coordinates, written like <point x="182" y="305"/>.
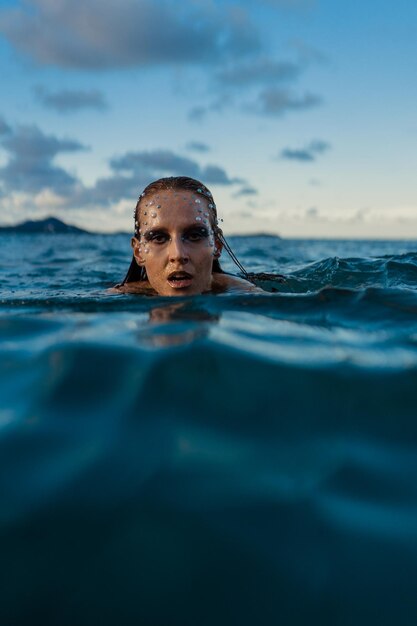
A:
<point x="221" y="459"/>
<point x="161" y="471"/>
<point x="392" y="304"/>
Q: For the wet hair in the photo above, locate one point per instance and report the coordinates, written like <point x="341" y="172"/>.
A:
<point x="179" y="183"/>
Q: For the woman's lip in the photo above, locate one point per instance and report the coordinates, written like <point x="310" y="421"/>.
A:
<point x="182" y="283"/>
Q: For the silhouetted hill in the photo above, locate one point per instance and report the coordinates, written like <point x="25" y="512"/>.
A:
<point x="266" y="235"/>
<point x="48" y="225"/>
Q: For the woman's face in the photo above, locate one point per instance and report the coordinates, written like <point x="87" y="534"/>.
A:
<point x="177" y="244"/>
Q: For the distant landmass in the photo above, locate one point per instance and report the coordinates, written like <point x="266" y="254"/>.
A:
<point x="48" y="225"/>
<point x="268" y="235"/>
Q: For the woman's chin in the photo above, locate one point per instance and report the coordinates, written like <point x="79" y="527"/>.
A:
<point x="181" y="288"/>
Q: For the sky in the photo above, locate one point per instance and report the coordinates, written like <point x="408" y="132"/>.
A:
<point x="299" y="115"/>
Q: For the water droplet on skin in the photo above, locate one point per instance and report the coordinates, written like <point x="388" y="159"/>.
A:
<point x="146" y="250"/>
<point x="146" y="223"/>
<point x="158" y="206"/>
<point x="153" y="214"/>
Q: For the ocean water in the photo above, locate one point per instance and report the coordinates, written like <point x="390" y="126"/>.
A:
<point x="230" y="459"/>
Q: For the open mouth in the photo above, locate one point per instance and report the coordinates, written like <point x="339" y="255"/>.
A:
<point x="180" y="280"/>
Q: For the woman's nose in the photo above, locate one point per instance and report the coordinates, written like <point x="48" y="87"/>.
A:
<point x="178" y="250"/>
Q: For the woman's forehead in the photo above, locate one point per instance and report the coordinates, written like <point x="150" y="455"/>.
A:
<point x="174" y="206"/>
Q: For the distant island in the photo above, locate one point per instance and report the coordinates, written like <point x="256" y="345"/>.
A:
<point x="48" y="225"/>
<point x="267" y="235"/>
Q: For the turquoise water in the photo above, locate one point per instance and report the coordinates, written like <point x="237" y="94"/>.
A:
<point x="235" y="459"/>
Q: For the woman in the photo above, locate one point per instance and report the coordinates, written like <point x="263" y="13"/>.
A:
<point x="177" y="243"/>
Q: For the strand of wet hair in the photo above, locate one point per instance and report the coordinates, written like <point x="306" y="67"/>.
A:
<point x="232" y="255"/>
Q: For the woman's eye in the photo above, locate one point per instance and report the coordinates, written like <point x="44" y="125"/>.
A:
<point x="158" y="238"/>
<point x="196" y="235"/>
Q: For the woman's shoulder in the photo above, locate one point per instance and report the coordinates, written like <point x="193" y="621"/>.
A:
<point x="224" y="283"/>
<point x="141" y="287"/>
<point x="221" y="283"/>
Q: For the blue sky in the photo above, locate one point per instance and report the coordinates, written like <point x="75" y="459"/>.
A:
<point x="300" y="115"/>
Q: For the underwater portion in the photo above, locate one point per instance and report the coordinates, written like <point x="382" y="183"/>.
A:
<point x="230" y="459"/>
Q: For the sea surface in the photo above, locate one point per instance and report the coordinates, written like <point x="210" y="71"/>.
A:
<point x="230" y="459"/>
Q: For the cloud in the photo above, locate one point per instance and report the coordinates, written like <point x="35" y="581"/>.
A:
<point x="4" y="127"/>
<point x="197" y="114"/>
<point x="125" y="33"/>
<point x="307" y="154"/>
<point x="132" y="171"/>
<point x="277" y="102"/>
<point x="109" y="190"/>
<point x="30" y="172"/>
<point x="246" y="191"/>
<point x="30" y="167"/>
<point x="68" y="101"/>
<point x="312" y="212"/>
<point x="266" y="79"/>
<point x="258" y="71"/>
<point x="197" y="146"/>
<point x="244" y="214"/>
<point x="158" y="163"/>
<point x="361" y="214"/>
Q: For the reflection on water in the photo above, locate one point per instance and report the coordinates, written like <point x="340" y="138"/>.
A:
<point x="177" y="324"/>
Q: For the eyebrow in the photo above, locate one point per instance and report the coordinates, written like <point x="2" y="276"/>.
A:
<point x="164" y="231"/>
<point x="155" y="231"/>
<point x="200" y="227"/>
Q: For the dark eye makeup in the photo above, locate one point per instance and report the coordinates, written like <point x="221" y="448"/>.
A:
<point x="156" y="236"/>
<point x="196" y="233"/>
<point x="192" y="234"/>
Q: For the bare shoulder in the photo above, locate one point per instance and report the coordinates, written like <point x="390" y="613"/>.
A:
<point x="226" y="283"/>
<point x="141" y="287"/>
<point x="221" y="283"/>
